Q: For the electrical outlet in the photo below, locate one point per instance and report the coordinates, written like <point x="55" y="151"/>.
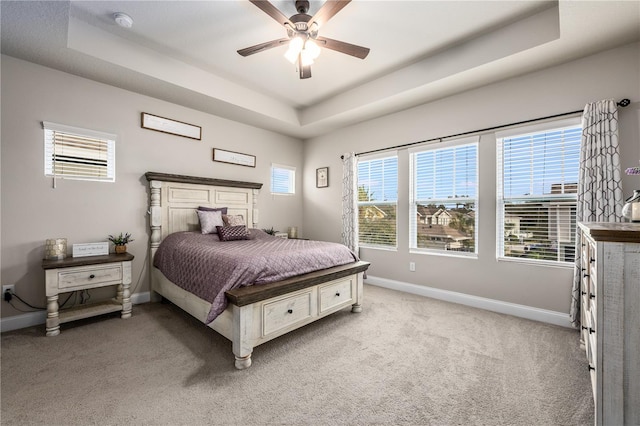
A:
<point x="412" y="266"/>
<point x="10" y="287"/>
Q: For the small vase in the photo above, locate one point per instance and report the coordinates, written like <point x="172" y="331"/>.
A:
<point x="121" y="249"/>
<point x="631" y="208"/>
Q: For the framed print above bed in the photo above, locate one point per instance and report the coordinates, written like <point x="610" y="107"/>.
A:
<point x="173" y="127"/>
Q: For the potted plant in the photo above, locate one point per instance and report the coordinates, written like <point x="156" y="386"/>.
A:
<point x="121" y="242"/>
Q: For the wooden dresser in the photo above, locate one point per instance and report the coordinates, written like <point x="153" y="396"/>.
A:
<point x="610" y="319"/>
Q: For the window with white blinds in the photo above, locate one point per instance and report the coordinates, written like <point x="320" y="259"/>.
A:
<point x="283" y="179"/>
<point x="378" y="201"/>
<point x="537" y="194"/>
<point x="444" y="195"/>
<point x="74" y="153"/>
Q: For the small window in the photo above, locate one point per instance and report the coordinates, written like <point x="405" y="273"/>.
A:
<point x="283" y="179"/>
<point x="74" y="153"/>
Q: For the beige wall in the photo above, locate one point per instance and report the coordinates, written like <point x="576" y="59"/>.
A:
<point x="611" y="74"/>
<point x="33" y="211"/>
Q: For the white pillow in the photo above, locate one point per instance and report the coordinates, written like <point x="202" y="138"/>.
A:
<point x="209" y="220"/>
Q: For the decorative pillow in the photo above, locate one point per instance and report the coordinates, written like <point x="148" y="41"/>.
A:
<point x="233" y="219"/>
<point x="232" y="233"/>
<point x="222" y="210"/>
<point x="209" y="220"/>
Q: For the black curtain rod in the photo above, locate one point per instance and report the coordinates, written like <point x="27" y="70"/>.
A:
<point x="622" y="103"/>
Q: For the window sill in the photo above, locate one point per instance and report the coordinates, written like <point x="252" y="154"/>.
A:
<point x="544" y="263"/>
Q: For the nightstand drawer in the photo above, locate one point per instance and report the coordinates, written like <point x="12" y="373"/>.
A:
<point x="83" y="276"/>
<point x="285" y="312"/>
<point x="335" y="294"/>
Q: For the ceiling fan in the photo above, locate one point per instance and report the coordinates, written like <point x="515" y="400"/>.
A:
<point x="302" y="34"/>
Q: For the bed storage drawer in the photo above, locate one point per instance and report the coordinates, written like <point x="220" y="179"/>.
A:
<point x="286" y="312"/>
<point x="335" y="294"/>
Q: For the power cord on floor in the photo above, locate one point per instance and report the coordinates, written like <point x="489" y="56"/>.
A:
<point x="9" y="295"/>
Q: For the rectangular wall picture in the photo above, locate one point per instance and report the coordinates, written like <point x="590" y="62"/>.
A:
<point x="174" y="127"/>
<point x="231" y="157"/>
<point x="322" y="177"/>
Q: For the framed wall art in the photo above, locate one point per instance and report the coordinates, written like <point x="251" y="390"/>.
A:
<point x="173" y="127"/>
<point x="322" y="177"/>
<point x="231" y="157"/>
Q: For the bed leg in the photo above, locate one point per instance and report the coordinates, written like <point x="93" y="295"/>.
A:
<point x="243" y="362"/>
<point x="356" y="308"/>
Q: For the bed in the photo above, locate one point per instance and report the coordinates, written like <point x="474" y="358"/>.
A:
<point x="254" y="314"/>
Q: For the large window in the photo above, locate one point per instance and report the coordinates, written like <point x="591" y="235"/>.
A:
<point x="443" y="197"/>
<point x="537" y="186"/>
<point x="74" y="153"/>
<point x="377" y="201"/>
<point x="283" y="179"/>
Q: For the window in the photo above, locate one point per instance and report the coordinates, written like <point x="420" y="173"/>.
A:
<point x="283" y="179"/>
<point x="74" y="153"/>
<point x="377" y="201"/>
<point x="537" y="193"/>
<point x="443" y="197"/>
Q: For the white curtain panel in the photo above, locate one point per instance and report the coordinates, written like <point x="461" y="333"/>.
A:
<point x="600" y="182"/>
<point x="350" y="202"/>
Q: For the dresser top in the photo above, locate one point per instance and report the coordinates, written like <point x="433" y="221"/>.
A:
<point x="623" y="232"/>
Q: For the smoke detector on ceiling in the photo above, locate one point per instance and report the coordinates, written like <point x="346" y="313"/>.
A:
<point x="122" y="19"/>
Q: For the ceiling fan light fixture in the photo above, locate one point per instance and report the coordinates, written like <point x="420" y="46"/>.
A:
<point x="312" y="49"/>
<point x="295" y="47"/>
<point x="305" y="58"/>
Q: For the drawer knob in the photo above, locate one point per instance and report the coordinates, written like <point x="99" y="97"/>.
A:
<point x="592" y="296"/>
<point x="289" y="311"/>
<point x="584" y="327"/>
<point x="92" y="276"/>
<point x="585" y="275"/>
<point x="583" y="293"/>
<point x="592" y="260"/>
<point x="591" y="330"/>
<point x="337" y="294"/>
<point x="591" y="368"/>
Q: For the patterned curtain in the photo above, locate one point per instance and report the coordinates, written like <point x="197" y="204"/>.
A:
<point x="350" y="202"/>
<point x="600" y="182"/>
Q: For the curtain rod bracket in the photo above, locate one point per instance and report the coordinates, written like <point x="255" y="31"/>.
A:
<point x="625" y="102"/>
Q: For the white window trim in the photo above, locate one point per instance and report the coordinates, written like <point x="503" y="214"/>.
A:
<point x="380" y="156"/>
<point x="412" y="201"/>
<point x="292" y="183"/>
<point x="110" y="138"/>
<point x="523" y="131"/>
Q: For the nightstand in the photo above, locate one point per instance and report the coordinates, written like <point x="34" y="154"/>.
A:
<point x="83" y="273"/>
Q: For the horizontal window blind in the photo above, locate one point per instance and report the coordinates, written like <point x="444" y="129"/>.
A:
<point x="73" y="153"/>
<point x="377" y="201"/>
<point x="537" y="194"/>
<point x="283" y="179"/>
<point x="444" y="193"/>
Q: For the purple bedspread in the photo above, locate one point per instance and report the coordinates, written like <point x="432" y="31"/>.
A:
<point x="207" y="267"/>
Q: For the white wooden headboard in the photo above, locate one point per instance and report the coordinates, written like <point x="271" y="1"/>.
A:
<point x="175" y="198"/>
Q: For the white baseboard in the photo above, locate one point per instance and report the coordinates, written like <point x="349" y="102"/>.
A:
<point x="522" y="311"/>
<point x="40" y="317"/>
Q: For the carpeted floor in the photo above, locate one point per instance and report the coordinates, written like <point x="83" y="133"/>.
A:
<point x="405" y="360"/>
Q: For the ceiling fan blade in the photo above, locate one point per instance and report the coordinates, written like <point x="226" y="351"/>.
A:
<point x="272" y="11"/>
<point x="342" y="47"/>
<point x="305" y="71"/>
<point x="262" y="47"/>
<point x="327" y="11"/>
